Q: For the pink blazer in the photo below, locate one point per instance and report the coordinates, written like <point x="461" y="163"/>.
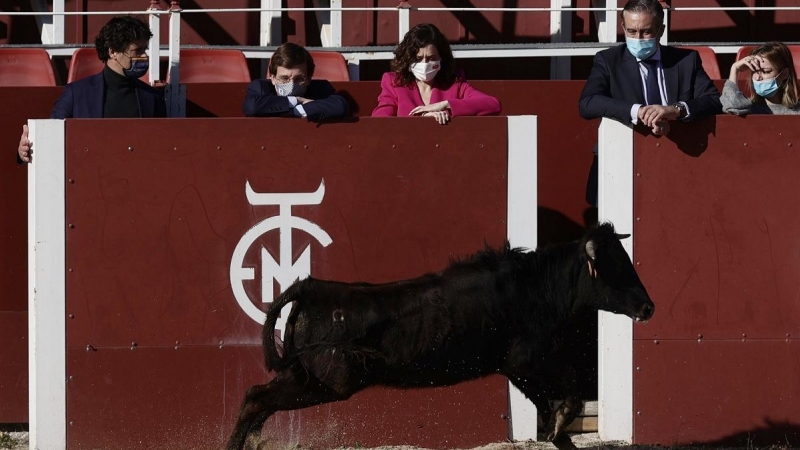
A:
<point x="464" y="99"/>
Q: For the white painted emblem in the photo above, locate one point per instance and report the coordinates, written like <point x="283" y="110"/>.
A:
<point x="286" y="271"/>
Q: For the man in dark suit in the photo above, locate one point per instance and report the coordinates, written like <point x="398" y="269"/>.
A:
<point x="116" y="92"/>
<point x="290" y="91"/>
<point x="644" y="83"/>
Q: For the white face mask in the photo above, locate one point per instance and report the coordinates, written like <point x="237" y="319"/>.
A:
<point x="425" y="71"/>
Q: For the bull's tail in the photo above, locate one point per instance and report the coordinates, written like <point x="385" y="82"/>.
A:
<point x="272" y="359"/>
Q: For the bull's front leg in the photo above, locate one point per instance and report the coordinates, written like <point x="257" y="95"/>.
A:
<point x="569" y="409"/>
<point x="564" y="414"/>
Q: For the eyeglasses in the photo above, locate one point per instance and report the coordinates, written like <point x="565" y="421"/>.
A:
<point x="298" y="80"/>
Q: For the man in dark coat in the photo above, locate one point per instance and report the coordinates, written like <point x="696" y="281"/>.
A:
<point x="115" y="92"/>
<point x="289" y="90"/>
<point x="642" y="82"/>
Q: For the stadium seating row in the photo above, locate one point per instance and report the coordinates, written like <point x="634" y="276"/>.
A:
<point x="32" y="66"/>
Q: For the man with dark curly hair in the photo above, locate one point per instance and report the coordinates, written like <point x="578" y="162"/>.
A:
<point x="289" y="89"/>
<point x="115" y="92"/>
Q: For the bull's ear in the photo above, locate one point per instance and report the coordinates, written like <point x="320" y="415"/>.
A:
<point x="590" y="249"/>
<point x="622" y="236"/>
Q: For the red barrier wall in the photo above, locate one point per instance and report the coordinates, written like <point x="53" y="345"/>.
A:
<point x="149" y="259"/>
<point x="19" y="103"/>
<point x="565" y="142"/>
<point x="717" y="247"/>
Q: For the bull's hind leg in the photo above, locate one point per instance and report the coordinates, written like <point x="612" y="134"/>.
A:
<point x="287" y="391"/>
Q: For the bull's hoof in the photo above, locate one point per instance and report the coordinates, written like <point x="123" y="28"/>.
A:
<point x="564" y="415"/>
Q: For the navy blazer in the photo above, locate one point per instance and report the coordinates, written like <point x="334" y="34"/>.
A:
<point x="615" y="84"/>
<point x="83" y="99"/>
<point x="262" y="100"/>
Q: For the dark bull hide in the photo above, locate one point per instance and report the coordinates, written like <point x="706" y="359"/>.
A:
<point x="497" y="312"/>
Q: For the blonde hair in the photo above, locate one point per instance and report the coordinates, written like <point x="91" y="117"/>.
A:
<point x="781" y="59"/>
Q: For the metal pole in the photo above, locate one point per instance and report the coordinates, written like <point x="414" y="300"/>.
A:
<point x="176" y="94"/>
<point x="560" y="31"/>
<point x="404" y="18"/>
<point x="155" y="42"/>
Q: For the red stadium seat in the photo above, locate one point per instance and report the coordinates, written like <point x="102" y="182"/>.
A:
<point x="745" y="51"/>
<point x="85" y="62"/>
<point x="26" y="67"/>
<point x="329" y="66"/>
<point x="709" y="59"/>
<point x="213" y="66"/>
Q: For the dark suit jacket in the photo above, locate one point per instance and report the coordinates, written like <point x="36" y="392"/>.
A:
<point x="83" y="99"/>
<point x="262" y="100"/>
<point x="614" y="85"/>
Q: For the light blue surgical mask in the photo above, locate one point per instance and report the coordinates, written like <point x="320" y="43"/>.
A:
<point x="641" y="48"/>
<point x="138" y="68"/>
<point x="766" y="88"/>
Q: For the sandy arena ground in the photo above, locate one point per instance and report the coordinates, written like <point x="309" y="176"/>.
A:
<point x="576" y="441"/>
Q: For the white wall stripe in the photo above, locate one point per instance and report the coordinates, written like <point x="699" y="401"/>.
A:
<point x="615" y="332"/>
<point x="522" y="232"/>
<point x="47" y="287"/>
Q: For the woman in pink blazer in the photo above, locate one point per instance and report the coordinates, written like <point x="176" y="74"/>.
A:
<point x="425" y="82"/>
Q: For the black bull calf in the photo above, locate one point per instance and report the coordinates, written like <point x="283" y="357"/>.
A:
<point x="498" y="312"/>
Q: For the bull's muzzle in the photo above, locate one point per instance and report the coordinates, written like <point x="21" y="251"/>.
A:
<point x="645" y="312"/>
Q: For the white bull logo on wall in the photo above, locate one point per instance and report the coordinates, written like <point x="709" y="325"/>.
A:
<point x="286" y="271"/>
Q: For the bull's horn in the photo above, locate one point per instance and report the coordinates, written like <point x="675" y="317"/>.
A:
<point x="622" y="236"/>
<point x="590" y="249"/>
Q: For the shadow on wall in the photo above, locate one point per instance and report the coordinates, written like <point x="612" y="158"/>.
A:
<point x="692" y="138"/>
<point x="781" y="435"/>
<point x="555" y="227"/>
<point x="580" y="341"/>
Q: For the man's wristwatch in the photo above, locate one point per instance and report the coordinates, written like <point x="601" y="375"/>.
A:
<point x="681" y="109"/>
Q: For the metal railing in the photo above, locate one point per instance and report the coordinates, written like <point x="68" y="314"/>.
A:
<point x="560" y="48"/>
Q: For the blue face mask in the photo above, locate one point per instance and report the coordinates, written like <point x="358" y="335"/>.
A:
<point x="138" y="68"/>
<point x="766" y="88"/>
<point x="641" y="48"/>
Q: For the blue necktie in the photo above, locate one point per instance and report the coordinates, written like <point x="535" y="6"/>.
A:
<point x="651" y="82"/>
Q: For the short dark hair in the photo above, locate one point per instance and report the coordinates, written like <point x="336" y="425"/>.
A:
<point x="119" y="33"/>
<point x="406" y="54"/>
<point x="644" y="6"/>
<point x="291" y="55"/>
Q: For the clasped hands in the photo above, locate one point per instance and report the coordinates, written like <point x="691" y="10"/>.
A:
<point x="657" y="117"/>
<point x="439" y="111"/>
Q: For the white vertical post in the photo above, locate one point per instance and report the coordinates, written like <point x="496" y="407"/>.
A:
<point x="665" y="37"/>
<point x="176" y="94"/>
<point x="522" y="232"/>
<point x="403" y="19"/>
<point x="615" y="332"/>
<point x="336" y="23"/>
<point x="154" y="20"/>
<point x="270" y="23"/>
<point x="560" y="31"/>
<point x="606" y="20"/>
<point x="47" y="368"/>
<point x="330" y="22"/>
<point x="51" y="28"/>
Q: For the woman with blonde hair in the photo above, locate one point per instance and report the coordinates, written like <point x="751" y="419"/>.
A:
<point x="773" y="83"/>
